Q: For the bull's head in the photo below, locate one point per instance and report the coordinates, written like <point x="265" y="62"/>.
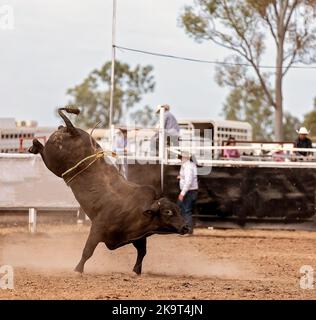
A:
<point x="167" y="217"/>
<point x="66" y="146"/>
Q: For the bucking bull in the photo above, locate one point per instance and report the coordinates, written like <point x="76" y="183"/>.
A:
<point x="121" y="212"/>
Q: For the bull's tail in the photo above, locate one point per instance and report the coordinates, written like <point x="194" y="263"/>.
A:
<point x="71" y="129"/>
<point x="71" y="109"/>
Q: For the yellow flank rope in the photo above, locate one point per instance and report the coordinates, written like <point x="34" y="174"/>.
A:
<point x="96" y="156"/>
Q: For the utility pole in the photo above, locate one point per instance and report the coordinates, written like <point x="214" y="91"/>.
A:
<point x="113" y="65"/>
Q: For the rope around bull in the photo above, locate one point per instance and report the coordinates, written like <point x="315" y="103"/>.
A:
<point x="94" y="156"/>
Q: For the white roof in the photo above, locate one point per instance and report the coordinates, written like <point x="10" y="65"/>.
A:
<point x="219" y="122"/>
<point x="7" y="123"/>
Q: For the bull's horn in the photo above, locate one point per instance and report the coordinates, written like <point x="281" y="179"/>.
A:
<point x="71" y="129"/>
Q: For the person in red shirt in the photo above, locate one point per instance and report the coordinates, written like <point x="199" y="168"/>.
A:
<point x="231" y="153"/>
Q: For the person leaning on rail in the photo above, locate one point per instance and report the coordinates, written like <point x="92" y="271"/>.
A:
<point x="172" y="130"/>
<point x="303" y="142"/>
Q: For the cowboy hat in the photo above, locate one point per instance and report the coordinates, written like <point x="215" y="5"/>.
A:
<point x="166" y="106"/>
<point x="187" y="155"/>
<point x="302" y="130"/>
<point x="184" y="154"/>
<point x="121" y="127"/>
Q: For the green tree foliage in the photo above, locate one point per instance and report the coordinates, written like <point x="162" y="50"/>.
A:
<point x="290" y="125"/>
<point x="310" y="120"/>
<point x="245" y="26"/>
<point x="246" y="100"/>
<point x="144" y="117"/>
<point x="93" y="94"/>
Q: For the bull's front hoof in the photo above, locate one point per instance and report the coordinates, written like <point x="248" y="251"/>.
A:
<point x="137" y="270"/>
<point x="78" y="272"/>
<point x="79" y="269"/>
<point x="78" y="275"/>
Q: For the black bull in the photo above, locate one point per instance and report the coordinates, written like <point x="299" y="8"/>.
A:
<point x="121" y="212"/>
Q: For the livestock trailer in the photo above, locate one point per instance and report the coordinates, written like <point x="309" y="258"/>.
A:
<point x="268" y="182"/>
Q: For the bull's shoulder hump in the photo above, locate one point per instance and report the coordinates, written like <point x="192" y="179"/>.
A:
<point x="149" y="190"/>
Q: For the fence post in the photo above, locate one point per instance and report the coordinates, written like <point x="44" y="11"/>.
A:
<point x="80" y="216"/>
<point x="162" y="145"/>
<point x="314" y="217"/>
<point x="32" y="219"/>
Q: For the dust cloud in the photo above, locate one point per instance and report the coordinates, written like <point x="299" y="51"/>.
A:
<point x="169" y="255"/>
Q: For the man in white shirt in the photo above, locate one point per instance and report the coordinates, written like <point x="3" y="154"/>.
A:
<point x="189" y="188"/>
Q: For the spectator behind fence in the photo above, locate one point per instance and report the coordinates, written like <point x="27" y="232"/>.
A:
<point x="172" y="130"/>
<point x="231" y="153"/>
<point x="278" y="156"/>
<point x="303" y="142"/>
<point x="120" y="148"/>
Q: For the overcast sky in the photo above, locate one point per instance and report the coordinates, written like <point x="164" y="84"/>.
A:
<point x="56" y="43"/>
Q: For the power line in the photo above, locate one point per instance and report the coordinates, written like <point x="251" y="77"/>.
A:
<point x="170" y="56"/>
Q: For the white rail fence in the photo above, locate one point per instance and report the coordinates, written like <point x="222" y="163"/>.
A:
<point x="25" y="183"/>
<point x="263" y="156"/>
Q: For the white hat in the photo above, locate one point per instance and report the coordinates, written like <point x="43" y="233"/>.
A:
<point x="302" y="130"/>
<point x="158" y="108"/>
<point x="185" y="154"/>
<point x="166" y="106"/>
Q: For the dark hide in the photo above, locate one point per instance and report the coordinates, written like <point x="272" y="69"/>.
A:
<point x="121" y="212"/>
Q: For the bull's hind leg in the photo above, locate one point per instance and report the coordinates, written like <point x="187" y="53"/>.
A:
<point x="140" y="245"/>
<point x="36" y="148"/>
<point x="94" y="238"/>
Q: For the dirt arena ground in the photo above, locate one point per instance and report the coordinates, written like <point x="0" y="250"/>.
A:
<point x="212" y="264"/>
